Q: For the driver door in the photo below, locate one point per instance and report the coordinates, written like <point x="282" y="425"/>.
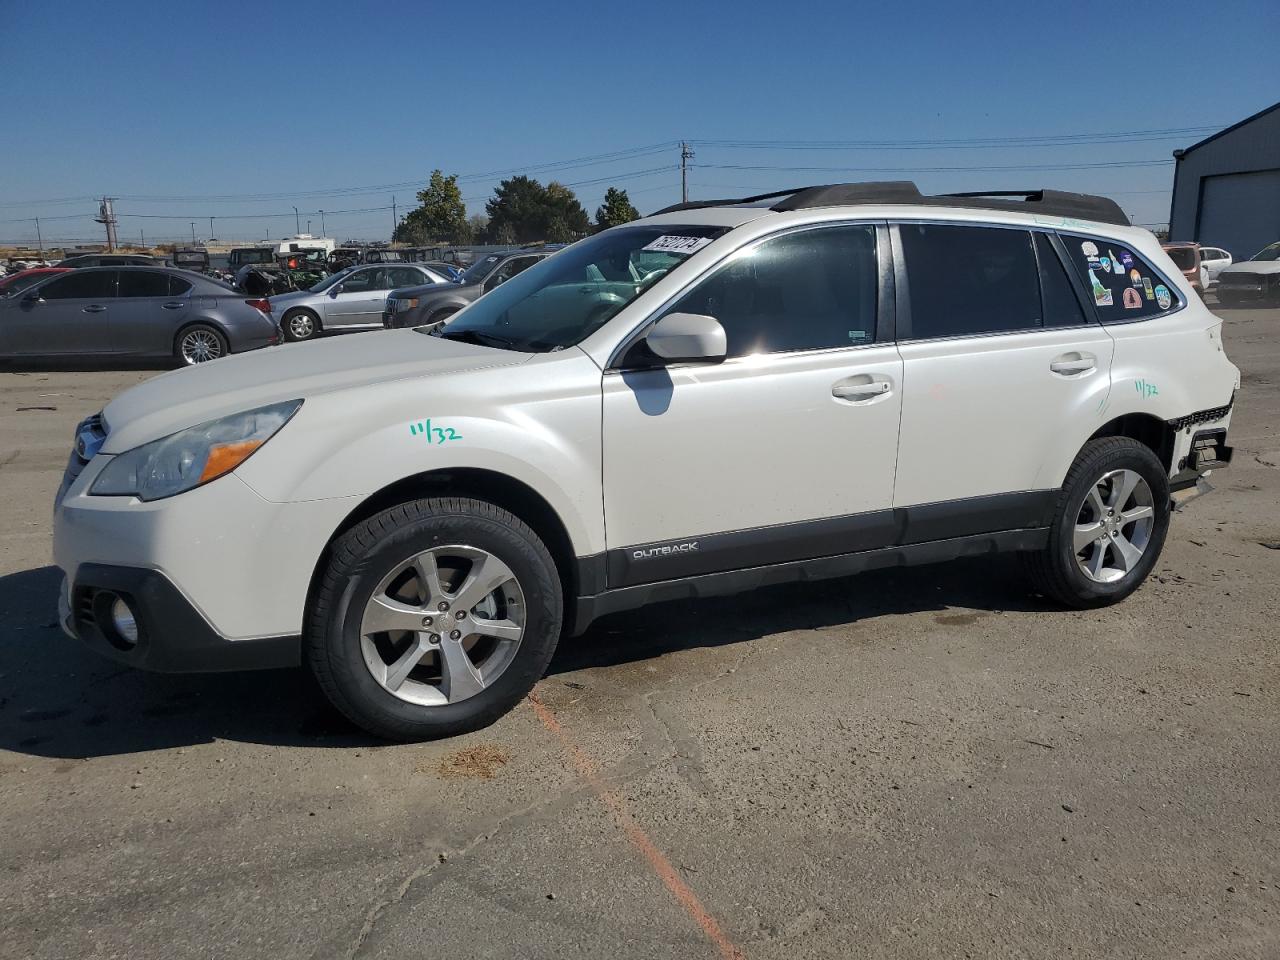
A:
<point x="359" y="304"/>
<point x="786" y="450"/>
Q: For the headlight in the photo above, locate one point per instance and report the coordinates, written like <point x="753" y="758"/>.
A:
<point x="400" y="306"/>
<point x="186" y="459"/>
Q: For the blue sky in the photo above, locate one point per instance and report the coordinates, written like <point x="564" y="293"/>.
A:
<point x="240" y="112"/>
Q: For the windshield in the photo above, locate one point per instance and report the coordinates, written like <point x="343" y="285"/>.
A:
<point x="1269" y="252"/>
<point x="477" y="271"/>
<point x="1184" y="258"/>
<point x="566" y="297"/>
<point x="330" y="280"/>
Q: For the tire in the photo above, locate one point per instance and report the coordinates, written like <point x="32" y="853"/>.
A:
<point x="300" y="325"/>
<point x="1062" y="574"/>
<point x="199" y="343"/>
<point x="345" y="645"/>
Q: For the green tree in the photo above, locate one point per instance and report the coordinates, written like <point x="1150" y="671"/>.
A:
<point x="440" y="215"/>
<point x="616" y="209"/>
<point x="522" y="210"/>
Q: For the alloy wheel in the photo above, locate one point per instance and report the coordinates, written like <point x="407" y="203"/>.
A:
<point x="200" y="346"/>
<point x="1114" y="526"/>
<point x="301" y="326"/>
<point x="443" y="625"/>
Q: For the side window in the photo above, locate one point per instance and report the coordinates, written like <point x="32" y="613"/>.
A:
<point x="178" y="286"/>
<point x="811" y="290"/>
<point x="508" y="270"/>
<point x="1061" y="305"/>
<point x="82" y="285"/>
<point x="143" y="283"/>
<point x="406" y="277"/>
<point x="1123" y="285"/>
<point x="359" y="282"/>
<point x="966" y="280"/>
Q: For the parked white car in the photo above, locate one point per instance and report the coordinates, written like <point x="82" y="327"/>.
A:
<point x="1213" y="260"/>
<point x="350" y="299"/>
<point x="853" y="377"/>
<point x="1256" y="279"/>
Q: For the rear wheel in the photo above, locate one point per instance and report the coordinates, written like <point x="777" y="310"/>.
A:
<point x="198" y="344"/>
<point x="300" y="325"/>
<point x="434" y="618"/>
<point x="1109" y="525"/>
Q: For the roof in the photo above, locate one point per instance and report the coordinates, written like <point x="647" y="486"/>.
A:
<point x="1222" y="133"/>
<point x="1056" y="203"/>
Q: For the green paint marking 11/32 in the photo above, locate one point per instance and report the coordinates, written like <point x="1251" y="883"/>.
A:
<point x="441" y="434"/>
<point x="1146" y="389"/>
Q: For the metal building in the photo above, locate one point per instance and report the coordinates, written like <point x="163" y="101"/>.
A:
<point x="1226" y="188"/>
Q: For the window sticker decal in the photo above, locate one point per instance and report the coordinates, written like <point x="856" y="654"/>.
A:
<point x="1115" y="262"/>
<point x="1126" y="258"/>
<point x="672" y="244"/>
<point x="1146" y="288"/>
<point x="1089" y="248"/>
<point x="1105" y="264"/>
<point x="1101" y="295"/>
<point x="1132" y="299"/>
<point x="1135" y="277"/>
<point x="1163" y="298"/>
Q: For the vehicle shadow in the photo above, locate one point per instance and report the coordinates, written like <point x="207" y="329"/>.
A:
<point x="58" y="699"/>
<point x="987" y="584"/>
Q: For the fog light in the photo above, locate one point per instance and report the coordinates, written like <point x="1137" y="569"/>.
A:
<point x="123" y="621"/>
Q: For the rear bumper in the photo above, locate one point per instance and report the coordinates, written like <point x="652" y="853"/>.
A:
<point x="173" y="637"/>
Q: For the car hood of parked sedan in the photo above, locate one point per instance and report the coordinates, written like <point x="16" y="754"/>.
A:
<point x="193" y="395"/>
<point x="1253" y="266"/>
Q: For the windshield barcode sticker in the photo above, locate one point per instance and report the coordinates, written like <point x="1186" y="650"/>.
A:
<point x="670" y="244"/>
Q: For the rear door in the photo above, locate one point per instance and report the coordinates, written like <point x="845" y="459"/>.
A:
<point x="68" y="316"/>
<point x="150" y="306"/>
<point x="1002" y="360"/>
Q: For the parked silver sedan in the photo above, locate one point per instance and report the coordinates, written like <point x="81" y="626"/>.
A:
<point x="351" y="299"/>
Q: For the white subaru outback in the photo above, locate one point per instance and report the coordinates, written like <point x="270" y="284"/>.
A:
<point x="718" y="397"/>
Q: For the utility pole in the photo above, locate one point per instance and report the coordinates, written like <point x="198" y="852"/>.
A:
<point x="211" y="233"/>
<point x="308" y="228"/>
<point x="193" y="234"/>
<point x="39" y="239"/>
<point x="107" y="217"/>
<point x="685" y="156"/>
<point x="394" y="222"/>
<point x="297" y="224"/>
<point x="322" y="231"/>
<point x="143" y="234"/>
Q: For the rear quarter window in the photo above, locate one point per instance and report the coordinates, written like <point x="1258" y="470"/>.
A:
<point x="1122" y="285"/>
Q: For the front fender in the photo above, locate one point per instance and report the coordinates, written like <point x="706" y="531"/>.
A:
<point x="538" y="423"/>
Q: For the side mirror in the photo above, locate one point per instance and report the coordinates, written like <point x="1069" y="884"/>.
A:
<point x="336" y="289"/>
<point x="686" y="338"/>
<point x="32" y="298"/>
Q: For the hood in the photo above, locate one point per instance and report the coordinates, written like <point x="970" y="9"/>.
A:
<point x="183" y="398"/>
<point x="1254" y="266"/>
<point x="424" y="289"/>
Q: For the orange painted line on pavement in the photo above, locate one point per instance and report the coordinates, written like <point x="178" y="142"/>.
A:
<point x="589" y="772"/>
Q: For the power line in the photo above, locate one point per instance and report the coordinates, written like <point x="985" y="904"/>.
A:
<point x="1046" y="140"/>
<point x="957" y="169"/>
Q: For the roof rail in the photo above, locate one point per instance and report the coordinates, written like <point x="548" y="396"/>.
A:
<point x="1083" y="206"/>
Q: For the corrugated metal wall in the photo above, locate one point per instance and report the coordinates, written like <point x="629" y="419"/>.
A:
<point x="1210" y="195"/>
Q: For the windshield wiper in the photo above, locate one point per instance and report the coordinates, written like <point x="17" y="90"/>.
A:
<point x="475" y="336"/>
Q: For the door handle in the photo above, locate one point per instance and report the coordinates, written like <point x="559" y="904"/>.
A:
<point x="94" y="308"/>
<point x="173" y="306"/>
<point x="860" y="388"/>
<point x="1071" y="364"/>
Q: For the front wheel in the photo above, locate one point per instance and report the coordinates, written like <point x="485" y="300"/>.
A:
<point x="434" y="618"/>
<point x="1109" y="525"/>
<point x="300" y="325"/>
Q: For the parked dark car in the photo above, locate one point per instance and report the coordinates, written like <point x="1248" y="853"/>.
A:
<point x="415" y="306"/>
<point x="133" y="313"/>
<point x="110" y="260"/>
<point x="189" y="259"/>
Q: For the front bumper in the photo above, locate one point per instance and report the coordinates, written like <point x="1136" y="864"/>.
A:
<point x="172" y="635"/>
